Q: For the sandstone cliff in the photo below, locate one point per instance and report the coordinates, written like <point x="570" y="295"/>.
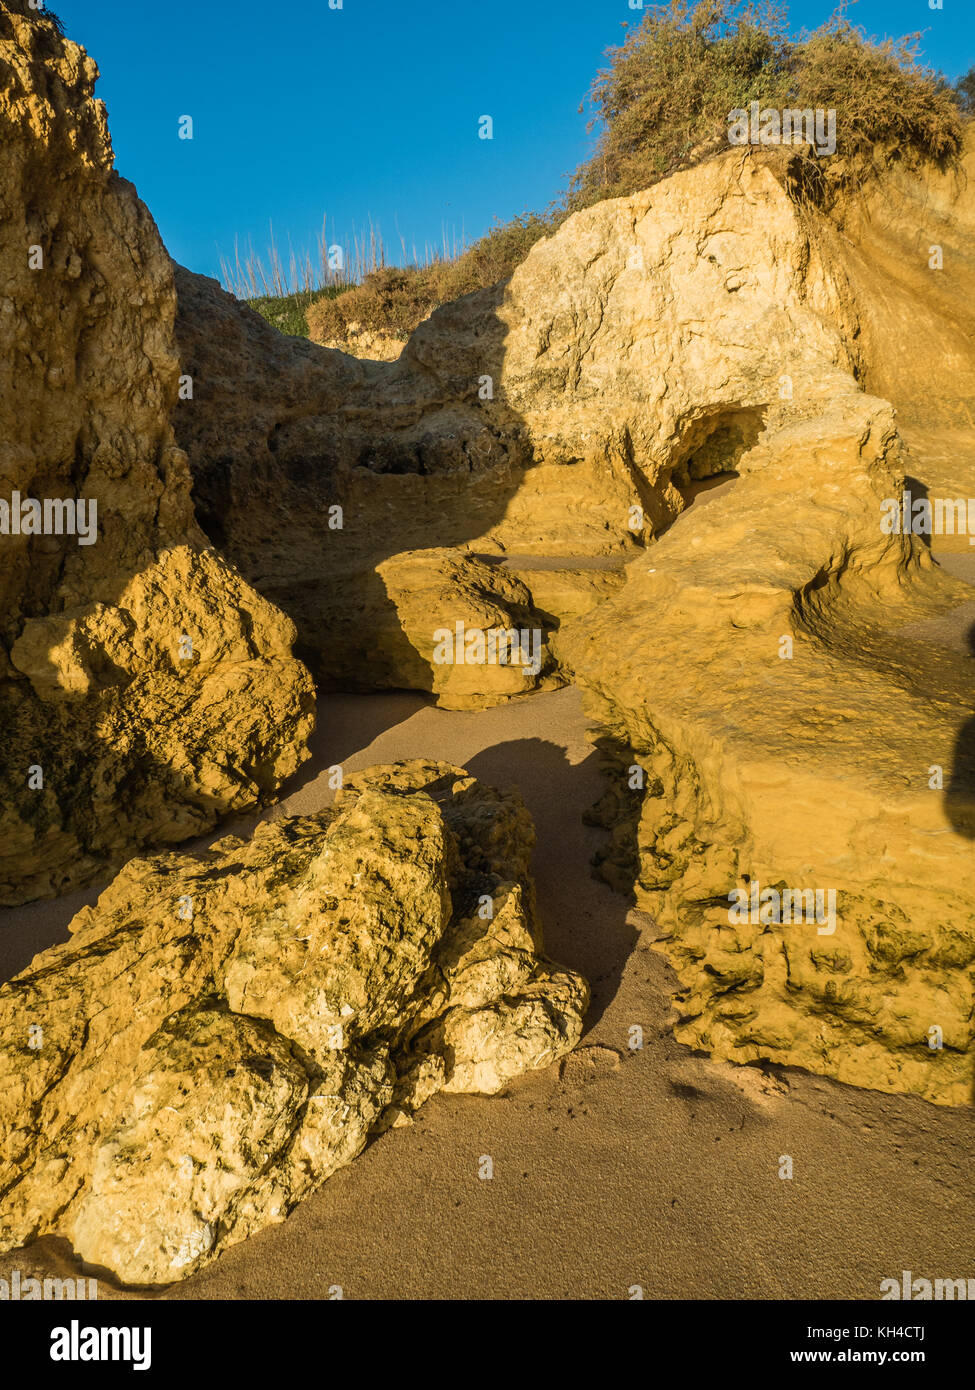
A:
<point x="145" y="690"/>
<point x="781" y="686"/>
<point x="792" y="678"/>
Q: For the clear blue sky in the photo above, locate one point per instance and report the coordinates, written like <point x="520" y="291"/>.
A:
<point x="372" y="110"/>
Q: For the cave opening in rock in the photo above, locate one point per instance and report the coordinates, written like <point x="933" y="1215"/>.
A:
<point x="711" y="447"/>
<point x="714" y="443"/>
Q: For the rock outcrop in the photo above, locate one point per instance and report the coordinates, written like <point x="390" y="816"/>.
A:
<point x="777" y="711"/>
<point x="144" y="688"/>
<point x="779" y="679"/>
<point x="771" y="661"/>
<point x="524" y="467"/>
<point x="225" y="1030"/>
<point x="321" y="476"/>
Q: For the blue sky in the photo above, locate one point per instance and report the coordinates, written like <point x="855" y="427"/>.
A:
<point x="372" y="110"/>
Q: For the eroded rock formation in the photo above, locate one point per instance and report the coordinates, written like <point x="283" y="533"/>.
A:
<point x="778" y="683"/>
<point x="724" y="322"/>
<point x="795" y="708"/>
<point x="225" y="1030"/>
<point x="323" y="477"/>
<point x="145" y="689"/>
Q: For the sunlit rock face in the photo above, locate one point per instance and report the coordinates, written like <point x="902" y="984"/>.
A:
<point x="783" y="689"/>
<point x="225" y="1030"/>
<point x="789" y="674"/>
<point x="145" y="689"/>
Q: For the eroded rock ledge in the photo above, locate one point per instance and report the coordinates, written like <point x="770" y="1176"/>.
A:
<point x="225" y="1030"/>
<point x="773" y="690"/>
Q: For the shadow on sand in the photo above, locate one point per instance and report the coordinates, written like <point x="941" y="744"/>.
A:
<point x="584" y="923"/>
<point x="960" y="791"/>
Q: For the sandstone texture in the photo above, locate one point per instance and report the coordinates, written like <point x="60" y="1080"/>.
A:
<point x="794" y="681"/>
<point x="145" y="689"/>
<point x="321" y="476"/>
<point x="774" y="667"/>
<point x="225" y="1030"/>
<point x="430" y="593"/>
<point x="779" y="685"/>
<point x="781" y="688"/>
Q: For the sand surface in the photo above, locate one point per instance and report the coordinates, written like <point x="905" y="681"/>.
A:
<point x="654" y="1167"/>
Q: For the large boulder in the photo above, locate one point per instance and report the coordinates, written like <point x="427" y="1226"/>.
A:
<point x="225" y="1030"/>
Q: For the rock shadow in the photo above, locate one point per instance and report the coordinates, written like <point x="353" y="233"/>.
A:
<point x="311" y="468"/>
<point x="341" y="731"/>
<point x="960" y="789"/>
<point x="584" y="923"/>
<point x="279" y="432"/>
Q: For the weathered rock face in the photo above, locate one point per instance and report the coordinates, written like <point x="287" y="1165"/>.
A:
<point x="777" y="713"/>
<point x="719" y="322"/>
<point x="144" y="688"/>
<point x="318" y="475"/>
<point x="905" y="251"/>
<point x="787" y="731"/>
<point x="529" y="420"/>
<point x="224" y="1031"/>
<point x="459" y="627"/>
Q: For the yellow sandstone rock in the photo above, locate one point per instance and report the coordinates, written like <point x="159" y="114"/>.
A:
<point x="145" y="689"/>
<point x="225" y="1030"/>
<point x="771" y="660"/>
<point x="781" y="684"/>
<point x="777" y="711"/>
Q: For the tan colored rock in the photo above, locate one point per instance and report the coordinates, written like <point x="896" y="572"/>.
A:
<point x="810" y="772"/>
<point x="465" y="630"/>
<point x="720" y="322"/>
<point x="562" y="588"/>
<point x="135" y="744"/>
<point x="313" y="471"/>
<point x="225" y="1030"/>
<point x="363" y="342"/>
<point x="764" y="670"/>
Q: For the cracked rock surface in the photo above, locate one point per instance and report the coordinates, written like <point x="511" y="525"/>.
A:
<point x="145" y="688"/>
<point x="225" y="1030"/>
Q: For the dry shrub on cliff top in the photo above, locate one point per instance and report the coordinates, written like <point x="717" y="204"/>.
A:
<point x="669" y="87"/>
<point x="393" y="300"/>
<point x="663" y="101"/>
<point x="30" y="9"/>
